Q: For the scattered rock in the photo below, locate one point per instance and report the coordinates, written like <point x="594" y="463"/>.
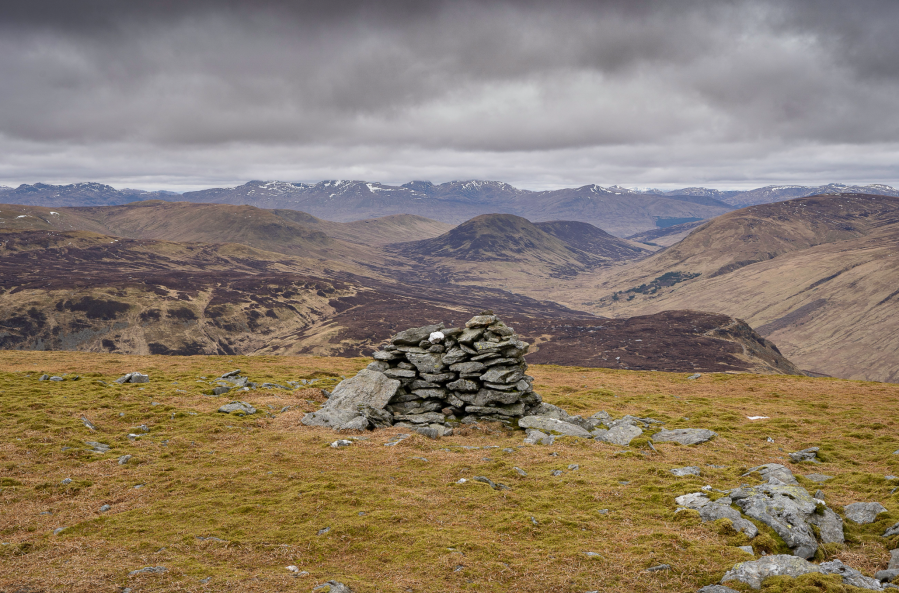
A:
<point x="44" y="377"/>
<point x="574" y="467"/>
<point x="324" y="531"/>
<point x="341" y="443"/>
<point x="88" y="424"/>
<point x="535" y="437"/>
<point x="332" y="587"/>
<point x="690" y="470"/>
<point x="754" y="572"/>
<point x="55" y="378"/>
<point x="238" y="408"/>
<point x="810" y="454"/>
<point x="894" y="530"/>
<point x="774" y="470"/>
<point x="58" y="530"/>
<point x="97" y="447"/>
<point x="124" y="459"/>
<point x="694" y="376"/>
<point x="717" y="589"/>
<point x="133" y="378"/>
<point x="66" y="481"/>
<point x="491" y="483"/>
<point x="819" y="478"/>
<point x="105" y="508"/>
<point x="556" y="472"/>
<point x="747" y="549"/>
<point x="220" y="390"/>
<point x="684" y="436"/>
<point x="520" y="472"/>
<point x="659" y="568"/>
<point x="863" y="512"/>
<point x="148" y="570"/>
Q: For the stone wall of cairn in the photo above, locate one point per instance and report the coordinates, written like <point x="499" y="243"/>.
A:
<point x="450" y="375"/>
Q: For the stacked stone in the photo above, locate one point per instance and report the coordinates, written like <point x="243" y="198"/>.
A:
<point x="457" y="374"/>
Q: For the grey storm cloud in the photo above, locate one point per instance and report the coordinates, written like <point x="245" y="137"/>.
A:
<point x="709" y="90"/>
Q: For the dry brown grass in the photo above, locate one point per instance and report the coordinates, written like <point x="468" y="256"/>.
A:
<point x="267" y="485"/>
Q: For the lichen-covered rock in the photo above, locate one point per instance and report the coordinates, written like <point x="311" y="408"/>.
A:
<point x="863" y="512"/>
<point x="791" y="512"/>
<point x="754" y="572"/>
<point x="850" y="575"/>
<point x="553" y="426"/>
<point x="620" y="435"/>
<point x="774" y="470"/>
<point x="684" y="436"/>
<point x="713" y="510"/>
<point x="240" y="408"/>
<point x="810" y="454"/>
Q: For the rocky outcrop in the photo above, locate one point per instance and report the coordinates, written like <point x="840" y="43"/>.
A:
<point x="754" y="572"/>
<point x="792" y="513"/>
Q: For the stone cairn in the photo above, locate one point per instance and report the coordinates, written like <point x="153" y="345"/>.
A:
<point x="432" y="378"/>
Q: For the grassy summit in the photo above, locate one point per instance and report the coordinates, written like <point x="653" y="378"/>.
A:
<point x="237" y="499"/>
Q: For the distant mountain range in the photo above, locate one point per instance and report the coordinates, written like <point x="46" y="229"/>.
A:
<point x="617" y="210"/>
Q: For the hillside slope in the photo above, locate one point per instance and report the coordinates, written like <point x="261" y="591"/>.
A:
<point x="819" y="276"/>
<point x="372" y="231"/>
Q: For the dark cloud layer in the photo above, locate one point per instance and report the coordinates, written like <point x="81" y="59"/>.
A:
<point x="183" y="93"/>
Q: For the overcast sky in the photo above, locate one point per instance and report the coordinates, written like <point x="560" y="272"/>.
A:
<point x="178" y="95"/>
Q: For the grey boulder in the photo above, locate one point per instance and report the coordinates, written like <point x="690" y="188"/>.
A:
<point x="553" y="426"/>
<point x="346" y="409"/>
<point x="887" y="576"/>
<point x="621" y="435"/>
<point x="810" y="454"/>
<point x="890" y="532"/>
<point x="773" y="470"/>
<point x="133" y="378"/>
<point x="240" y="408"/>
<point x="684" y="436"/>
<point x="863" y="512"/>
<point x="536" y="437"/>
<point x="754" y="572"/>
<point x="333" y="586"/>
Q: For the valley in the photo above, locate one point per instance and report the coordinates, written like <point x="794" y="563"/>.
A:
<point x="814" y="275"/>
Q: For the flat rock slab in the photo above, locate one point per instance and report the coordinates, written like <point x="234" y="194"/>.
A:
<point x="684" y="436"/>
<point x="690" y="470"/>
<point x="754" y="572"/>
<point x="863" y="512"/>
<point x="553" y="426"/>
<point x="238" y="408"/>
<point x="620" y="435"/>
<point x="368" y="387"/>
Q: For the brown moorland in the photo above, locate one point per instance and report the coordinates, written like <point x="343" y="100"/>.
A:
<point x="225" y="503"/>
